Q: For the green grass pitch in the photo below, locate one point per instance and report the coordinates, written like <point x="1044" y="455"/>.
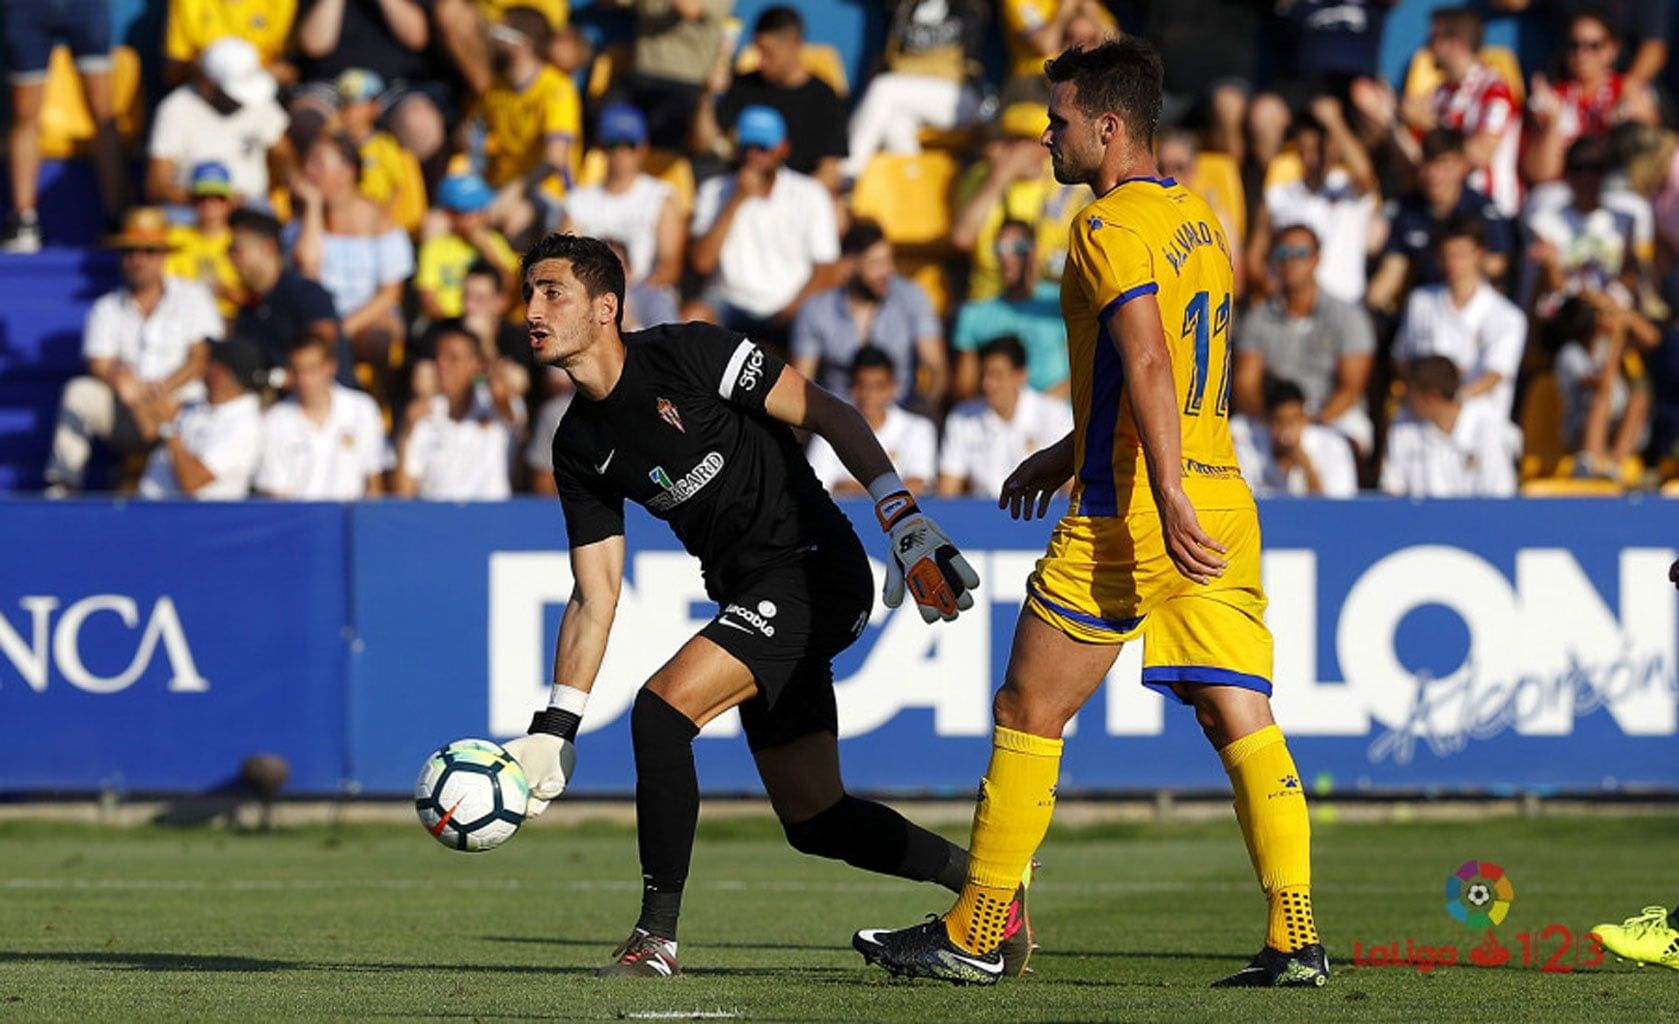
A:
<point x="380" y="922"/>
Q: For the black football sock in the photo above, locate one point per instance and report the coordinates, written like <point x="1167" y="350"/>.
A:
<point x="667" y="808"/>
<point x="874" y="837"/>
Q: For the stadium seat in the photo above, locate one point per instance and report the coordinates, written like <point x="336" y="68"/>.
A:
<point x="1541" y="420"/>
<point x="1569" y="487"/>
<point x="909" y="196"/>
<point x="820" y="59"/>
<point x="66" y="126"/>
<point x="665" y="164"/>
<point x="933" y="275"/>
<point x="1425" y="75"/>
<point x="1219" y="180"/>
<point x="610" y="64"/>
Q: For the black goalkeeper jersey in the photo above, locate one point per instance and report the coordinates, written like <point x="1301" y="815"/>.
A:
<point x="684" y="434"/>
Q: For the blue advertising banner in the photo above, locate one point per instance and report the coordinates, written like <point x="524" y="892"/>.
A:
<point x="154" y="647"/>
<point x="1454" y="645"/>
<point x="1442" y="645"/>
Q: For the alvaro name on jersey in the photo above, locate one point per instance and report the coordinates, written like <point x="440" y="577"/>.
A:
<point x="1150" y="236"/>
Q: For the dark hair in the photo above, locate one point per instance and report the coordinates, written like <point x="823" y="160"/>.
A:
<point x="1121" y="76"/>
<point x="1437" y="142"/>
<point x="1435" y="373"/>
<point x="860" y="237"/>
<point x="1597" y="16"/>
<point x="1016" y="224"/>
<point x="1280" y="392"/>
<point x="1300" y="225"/>
<point x="256" y="222"/>
<point x="778" y="18"/>
<point x="1588" y="155"/>
<point x="346" y="146"/>
<point x="871" y="358"/>
<point x="482" y="267"/>
<point x="1573" y="321"/>
<point x="1008" y="346"/>
<point x="1461" y="23"/>
<point x="452" y="326"/>
<point x="1461" y="225"/>
<point x="322" y="343"/>
<point x="595" y="265"/>
<point x="530" y="23"/>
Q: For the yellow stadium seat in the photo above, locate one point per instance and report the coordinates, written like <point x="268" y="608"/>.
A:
<point x="820" y="59"/>
<point x="1541" y="422"/>
<point x="956" y="140"/>
<point x="665" y="164"/>
<point x="932" y="274"/>
<point x="909" y="196"/>
<point x="610" y="64"/>
<point x="1568" y="487"/>
<point x="1219" y="181"/>
<point x="66" y="125"/>
<point x="1425" y="75"/>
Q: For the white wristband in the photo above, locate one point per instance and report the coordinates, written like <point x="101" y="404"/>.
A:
<point x="885" y="485"/>
<point x="568" y="698"/>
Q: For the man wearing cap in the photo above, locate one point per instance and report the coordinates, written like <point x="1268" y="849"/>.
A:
<point x="209" y="449"/>
<point x="227" y="114"/>
<point x="147" y="340"/>
<point x="444" y="259"/>
<point x="390" y="175"/>
<point x="1014" y="182"/>
<point x="765" y="235"/>
<point x="198" y="251"/>
<point x="630" y="205"/>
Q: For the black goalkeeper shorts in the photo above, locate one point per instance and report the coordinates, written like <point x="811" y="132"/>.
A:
<point x="786" y="626"/>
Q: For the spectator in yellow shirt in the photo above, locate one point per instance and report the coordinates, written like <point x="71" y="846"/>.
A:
<point x="532" y="125"/>
<point x="390" y="175"/>
<point x="462" y="27"/>
<point x="198" y="251"/>
<point x="192" y="25"/>
<point x="444" y="260"/>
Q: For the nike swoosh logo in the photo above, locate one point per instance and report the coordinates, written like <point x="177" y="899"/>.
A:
<point x="602" y="467"/>
<point x="732" y="623"/>
<point x="982" y="965"/>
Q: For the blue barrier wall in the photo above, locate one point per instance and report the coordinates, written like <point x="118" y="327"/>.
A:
<point x="1453" y="645"/>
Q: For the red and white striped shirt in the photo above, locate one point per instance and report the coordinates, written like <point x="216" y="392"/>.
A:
<point x="1483" y="104"/>
<point x="1589" y="111"/>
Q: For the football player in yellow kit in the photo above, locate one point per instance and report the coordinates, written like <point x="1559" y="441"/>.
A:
<point x="1161" y="542"/>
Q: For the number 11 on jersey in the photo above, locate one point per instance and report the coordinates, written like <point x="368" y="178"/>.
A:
<point x="1196" y="323"/>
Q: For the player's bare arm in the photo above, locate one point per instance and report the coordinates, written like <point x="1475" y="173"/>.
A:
<point x="1136" y="332"/>
<point x="921" y="555"/>
<point x="1028" y="490"/>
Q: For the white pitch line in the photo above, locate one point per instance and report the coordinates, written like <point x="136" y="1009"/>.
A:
<point x="681" y="1015"/>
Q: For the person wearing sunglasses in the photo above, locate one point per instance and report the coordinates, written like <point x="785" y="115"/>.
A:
<point x="1590" y="98"/>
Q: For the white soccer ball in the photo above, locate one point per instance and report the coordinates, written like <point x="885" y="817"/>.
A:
<point x="471" y="795"/>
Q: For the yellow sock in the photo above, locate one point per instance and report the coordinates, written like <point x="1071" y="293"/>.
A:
<point x="1271" y="808"/>
<point x="1016" y="799"/>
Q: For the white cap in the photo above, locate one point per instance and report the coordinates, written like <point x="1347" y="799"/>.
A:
<point x="234" y="66"/>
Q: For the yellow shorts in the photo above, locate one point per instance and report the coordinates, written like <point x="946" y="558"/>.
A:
<point x="1107" y="580"/>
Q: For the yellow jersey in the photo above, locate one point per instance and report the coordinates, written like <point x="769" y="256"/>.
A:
<point x="1041" y="202"/>
<point x="1150" y="236"/>
<point x="192" y="25"/>
<point x="390" y="176"/>
<point x="519" y="122"/>
<point x="444" y="261"/>
<point x="203" y="258"/>
<point x="1023" y="17"/>
<point x="558" y="12"/>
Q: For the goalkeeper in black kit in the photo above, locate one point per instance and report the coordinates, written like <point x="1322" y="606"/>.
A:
<point x="695" y="424"/>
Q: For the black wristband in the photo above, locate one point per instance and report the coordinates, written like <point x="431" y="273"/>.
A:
<point x="557" y="723"/>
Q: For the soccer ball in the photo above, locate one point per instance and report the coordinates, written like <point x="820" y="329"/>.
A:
<point x="471" y="795"/>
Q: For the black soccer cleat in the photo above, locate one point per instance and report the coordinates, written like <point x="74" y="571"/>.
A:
<point x="925" y="951"/>
<point x="1306" y="967"/>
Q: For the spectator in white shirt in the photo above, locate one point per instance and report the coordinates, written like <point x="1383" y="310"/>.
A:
<point x="1583" y="241"/>
<point x="226" y="114"/>
<point x="987" y="437"/>
<point x="326" y="442"/>
<point x="1466" y="320"/>
<point x="210" y="449"/>
<point x="1444" y="447"/>
<point x="765" y="235"/>
<point x="1289" y="454"/>
<point x="149" y="338"/>
<point x="910" y="441"/>
<point x="631" y="204"/>
<point x="457" y="445"/>
<point x="1335" y="196"/>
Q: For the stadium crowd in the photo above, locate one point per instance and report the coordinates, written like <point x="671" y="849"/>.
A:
<point x="1460" y="284"/>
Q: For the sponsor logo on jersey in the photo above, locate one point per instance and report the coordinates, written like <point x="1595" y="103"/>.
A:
<point x="761" y="623"/>
<point x="678" y="491"/>
<point x="668" y="413"/>
<point x="752" y="372"/>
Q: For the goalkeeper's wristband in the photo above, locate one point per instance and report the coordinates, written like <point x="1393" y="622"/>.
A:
<point x="563" y="714"/>
<point x="892" y="500"/>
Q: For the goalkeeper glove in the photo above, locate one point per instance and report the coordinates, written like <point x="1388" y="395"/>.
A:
<point x="547" y="756"/>
<point x="923" y="558"/>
